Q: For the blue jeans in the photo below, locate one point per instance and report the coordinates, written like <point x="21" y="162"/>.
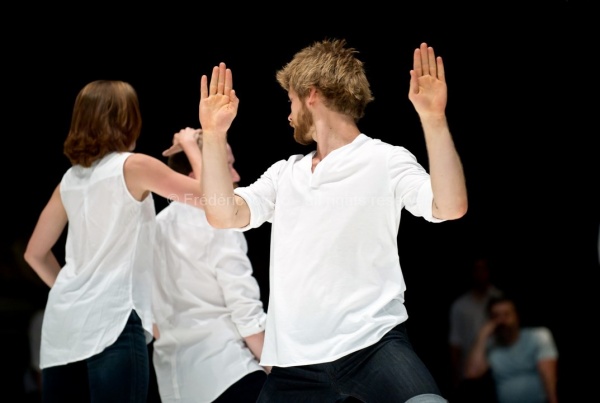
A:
<point x="386" y="372"/>
<point x="120" y="373"/>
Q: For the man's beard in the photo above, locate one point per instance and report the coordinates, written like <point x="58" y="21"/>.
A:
<point x="304" y="127"/>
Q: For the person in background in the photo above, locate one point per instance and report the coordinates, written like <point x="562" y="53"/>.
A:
<point x="467" y="315"/>
<point x="336" y="323"/>
<point x="207" y="309"/>
<point x="523" y="360"/>
<point x="98" y="311"/>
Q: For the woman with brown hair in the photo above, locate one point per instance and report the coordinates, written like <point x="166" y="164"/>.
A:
<point x="98" y="312"/>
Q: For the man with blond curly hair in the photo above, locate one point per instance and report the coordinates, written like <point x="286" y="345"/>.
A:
<point x="336" y="318"/>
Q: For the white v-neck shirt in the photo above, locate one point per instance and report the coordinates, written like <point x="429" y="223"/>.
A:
<point x="336" y="285"/>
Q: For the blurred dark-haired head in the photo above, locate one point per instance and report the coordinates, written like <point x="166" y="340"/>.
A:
<point x="503" y="311"/>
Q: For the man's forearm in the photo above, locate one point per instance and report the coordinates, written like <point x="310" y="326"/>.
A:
<point x="219" y="200"/>
<point x="446" y="170"/>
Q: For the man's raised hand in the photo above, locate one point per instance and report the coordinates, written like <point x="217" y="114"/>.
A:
<point x="218" y="101"/>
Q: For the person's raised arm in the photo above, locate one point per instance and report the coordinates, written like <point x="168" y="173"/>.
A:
<point x="428" y="93"/>
<point x="218" y="108"/>
<point x="477" y="363"/>
<point x="49" y="227"/>
<point x="144" y="173"/>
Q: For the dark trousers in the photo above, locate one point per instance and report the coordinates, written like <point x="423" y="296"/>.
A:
<point x="246" y="390"/>
<point x="388" y="371"/>
<point x="120" y="373"/>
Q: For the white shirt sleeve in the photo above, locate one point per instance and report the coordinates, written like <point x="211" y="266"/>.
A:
<point x="261" y="196"/>
<point x="412" y="184"/>
<point x="238" y="285"/>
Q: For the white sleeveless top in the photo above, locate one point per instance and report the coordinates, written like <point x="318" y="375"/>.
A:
<point x="108" y="264"/>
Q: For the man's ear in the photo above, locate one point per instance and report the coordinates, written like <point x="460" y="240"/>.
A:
<point x="312" y="96"/>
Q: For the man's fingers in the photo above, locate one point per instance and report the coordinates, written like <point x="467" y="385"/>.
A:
<point x="414" y="84"/>
<point x="214" y="80"/>
<point x="228" y="81"/>
<point x="203" y="87"/>
<point x="424" y="58"/>
<point x="440" y="69"/>
<point x="417" y="67"/>
<point x="426" y="63"/>
<point x="431" y="62"/>
<point x="221" y="81"/>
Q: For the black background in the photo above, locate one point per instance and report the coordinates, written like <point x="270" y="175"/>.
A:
<point x="508" y="72"/>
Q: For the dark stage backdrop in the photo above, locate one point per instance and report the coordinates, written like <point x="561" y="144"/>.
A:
<point x="508" y="73"/>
